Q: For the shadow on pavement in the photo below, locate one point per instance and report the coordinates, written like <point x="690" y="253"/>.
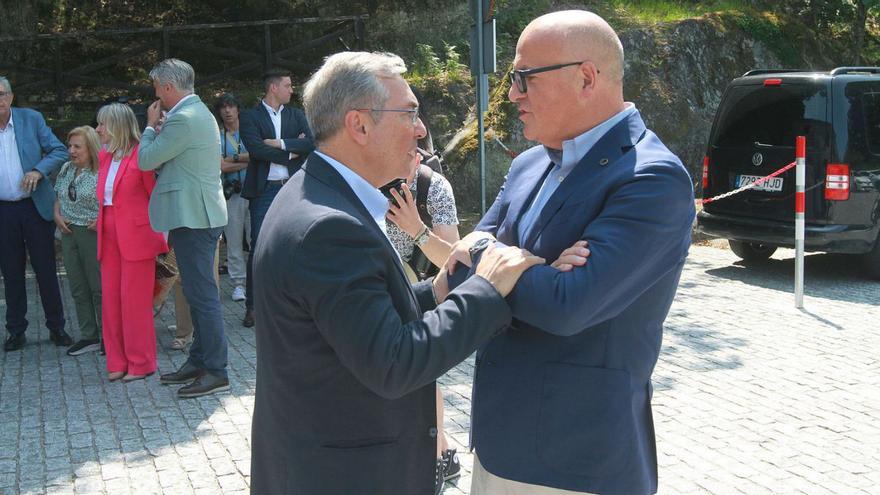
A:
<point x="826" y="276"/>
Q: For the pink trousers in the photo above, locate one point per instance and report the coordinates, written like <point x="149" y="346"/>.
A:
<point x="127" y="306"/>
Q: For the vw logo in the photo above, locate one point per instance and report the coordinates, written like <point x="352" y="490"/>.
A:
<point x="757" y="159"/>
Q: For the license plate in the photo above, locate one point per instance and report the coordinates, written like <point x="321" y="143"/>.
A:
<point x="772" y="184"/>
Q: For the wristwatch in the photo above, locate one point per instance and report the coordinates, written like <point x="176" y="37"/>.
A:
<point x="478" y="247"/>
<point x="235" y="157"/>
<point x="423" y="236"/>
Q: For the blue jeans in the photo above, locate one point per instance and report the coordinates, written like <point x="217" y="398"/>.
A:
<point x="258" y="208"/>
<point x="195" y="250"/>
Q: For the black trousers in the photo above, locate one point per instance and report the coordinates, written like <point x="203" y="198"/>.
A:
<point x="23" y="233"/>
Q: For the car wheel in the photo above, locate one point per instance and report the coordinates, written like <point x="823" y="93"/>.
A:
<point x="751" y="251"/>
<point x="871" y="261"/>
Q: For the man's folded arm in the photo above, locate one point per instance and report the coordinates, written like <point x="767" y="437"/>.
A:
<point x="253" y="142"/>
<point x="356" y="315"/>
<point x="640" y="235"/>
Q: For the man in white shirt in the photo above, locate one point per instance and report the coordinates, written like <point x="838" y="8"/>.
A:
<point x="29" y="152"/>
<point x="278" y="140"/>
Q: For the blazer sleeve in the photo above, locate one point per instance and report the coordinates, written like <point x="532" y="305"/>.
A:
<point x="253" y="141"/>
<point x="155" y="150"/>
<point x="300" y="146"/>
<point x="349" y="300"/>
<point x="54" y="151"/>
<point x="641" y="234"/>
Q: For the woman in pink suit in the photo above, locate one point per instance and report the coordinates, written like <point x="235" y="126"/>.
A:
<point x="127" y="247"/>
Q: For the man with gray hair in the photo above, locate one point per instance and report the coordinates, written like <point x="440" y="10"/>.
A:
<point x="29" y="152"/>
<point x="188" y="203"/>
<point x="347" y="349"/>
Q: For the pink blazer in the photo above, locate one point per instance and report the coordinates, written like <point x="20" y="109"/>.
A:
<point x="131" y="198"/>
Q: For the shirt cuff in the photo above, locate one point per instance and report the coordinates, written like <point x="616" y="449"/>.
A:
<point x="149" y="128"/>
<point x="282" y="145"/>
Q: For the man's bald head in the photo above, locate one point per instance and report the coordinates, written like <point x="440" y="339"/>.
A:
<point x="580" y="35"/>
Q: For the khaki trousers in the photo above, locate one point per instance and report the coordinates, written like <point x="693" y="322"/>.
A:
<point x="485" y="483"/>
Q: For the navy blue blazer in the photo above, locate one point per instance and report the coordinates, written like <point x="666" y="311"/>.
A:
<point x="563" y="397"/>
<point x="40" y="150"/>
<point x="347" y="350"/>
<point x="255" y="126"/>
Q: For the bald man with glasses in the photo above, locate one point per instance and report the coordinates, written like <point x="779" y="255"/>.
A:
<point x="562" y="397"/>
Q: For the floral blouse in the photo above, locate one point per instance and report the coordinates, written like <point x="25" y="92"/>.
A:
<point x="79" y="203"/>
<point x="441" y="207"/>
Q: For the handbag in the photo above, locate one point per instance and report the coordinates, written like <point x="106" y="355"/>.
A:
<point x="166" y="276"/>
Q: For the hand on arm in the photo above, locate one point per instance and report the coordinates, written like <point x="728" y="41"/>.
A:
<point x="574" y="256"/>
<point x="461" y="250"/>
<point x="502" y="267"/>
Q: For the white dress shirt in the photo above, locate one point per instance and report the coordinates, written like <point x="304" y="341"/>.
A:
<point x="111" y="178"/>
<point x="11" y="173"/>
<point x="276" y="170"/>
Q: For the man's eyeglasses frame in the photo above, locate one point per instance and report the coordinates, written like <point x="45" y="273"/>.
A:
<point x="518" y="76"/>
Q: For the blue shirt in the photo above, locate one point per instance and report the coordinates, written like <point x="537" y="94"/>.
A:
<point x="563" y="162"/>
<point x="371" y="197"/>
<point x="228" y="148"/>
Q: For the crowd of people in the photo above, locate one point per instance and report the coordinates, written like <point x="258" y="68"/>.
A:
<point x="562" y="289"/>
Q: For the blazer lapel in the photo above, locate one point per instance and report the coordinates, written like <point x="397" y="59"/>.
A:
<point x="522" y="194"/>
<point x="323" y="171"/>
<point x="614" y="144"/>
<point x="18" y="129"/>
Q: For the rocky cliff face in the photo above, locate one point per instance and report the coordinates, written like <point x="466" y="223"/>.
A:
<point x="675" y="74"/>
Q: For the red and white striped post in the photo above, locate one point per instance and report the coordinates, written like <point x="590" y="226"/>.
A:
<point x="799" y="204"/>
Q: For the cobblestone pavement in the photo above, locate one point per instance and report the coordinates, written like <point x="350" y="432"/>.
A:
<point x="751" y="396"/>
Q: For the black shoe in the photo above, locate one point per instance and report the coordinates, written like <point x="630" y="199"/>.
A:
<point x="103" y="351"/>
<point x="248" y="320"/>
<point x="84" y="346"/>
<point x="204" y="385"/>
<point x="14" y="342"/>
<point x="60" y="338"/>
<point x="185" y="374"/>
<point x="451" y="466"/>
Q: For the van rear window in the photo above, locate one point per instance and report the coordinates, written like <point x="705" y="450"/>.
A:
<point x="871" y="111"/>
<point x="773" y="115"/>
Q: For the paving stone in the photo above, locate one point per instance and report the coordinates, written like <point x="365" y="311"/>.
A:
<point x="751" y="396"/>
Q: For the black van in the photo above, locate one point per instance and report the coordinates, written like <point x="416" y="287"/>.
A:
<point x="757" y="122"/>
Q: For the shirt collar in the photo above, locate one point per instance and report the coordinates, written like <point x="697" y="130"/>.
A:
<point x="574" y="149"/>
<point x="373" y="199"/>
<point x="177" y="107"/>
<point x="11" y="123"/>
<point x="272" y="110"/>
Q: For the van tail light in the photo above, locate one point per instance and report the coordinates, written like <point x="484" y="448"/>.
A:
<point x="837" y="182"/>
<point x="772" y="82"/>
<point x="705" y="172"/>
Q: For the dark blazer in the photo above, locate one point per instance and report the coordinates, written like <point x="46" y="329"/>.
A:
<point x="38" y="149"/>
<point x="255" y="126"/>
<point x="563" y="397"/>
<point x="346" y="359"/>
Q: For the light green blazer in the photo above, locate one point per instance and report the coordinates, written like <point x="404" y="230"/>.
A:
<point x="186" y="155"/>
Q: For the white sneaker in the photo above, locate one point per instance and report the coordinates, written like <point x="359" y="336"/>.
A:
<point x="238" y="293"/>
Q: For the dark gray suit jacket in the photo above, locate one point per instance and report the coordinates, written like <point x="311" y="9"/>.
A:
<point x="346" y="359"/>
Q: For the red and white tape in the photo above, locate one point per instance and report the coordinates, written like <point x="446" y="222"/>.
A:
<point x="749" y="186"/>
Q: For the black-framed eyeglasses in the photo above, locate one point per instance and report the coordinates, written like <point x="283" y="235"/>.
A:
<point x="413" y="112"/>
<point x="71" y="192"/>
<point x="518" y="77"/>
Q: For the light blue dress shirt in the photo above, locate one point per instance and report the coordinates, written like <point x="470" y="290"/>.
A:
<point x="371" y="197"/>
<point x="563" y="162"/>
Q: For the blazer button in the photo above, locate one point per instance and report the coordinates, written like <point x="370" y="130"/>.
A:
<point x="432" y="432"/>
<point x="603" y="162"/>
